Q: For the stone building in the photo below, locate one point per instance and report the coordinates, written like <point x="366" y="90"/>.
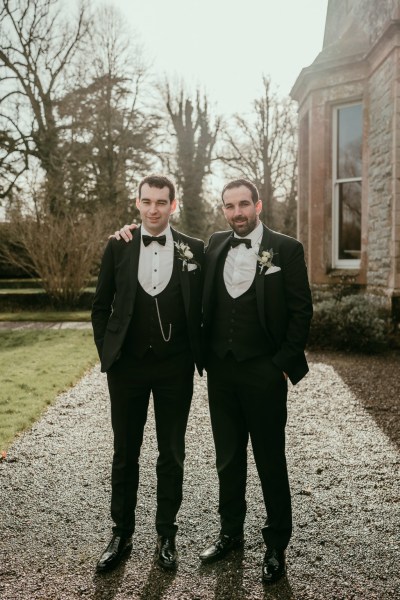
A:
<point x="349" y="150"/>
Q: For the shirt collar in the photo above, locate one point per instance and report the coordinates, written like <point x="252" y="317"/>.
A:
<point x="167" y="232"/>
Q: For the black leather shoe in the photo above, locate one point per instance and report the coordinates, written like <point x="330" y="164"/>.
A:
<point x="221" y="547"/>
<point x="274" y="565"/>
<point x="113" y="553"/>
<point x="167" y="556"/>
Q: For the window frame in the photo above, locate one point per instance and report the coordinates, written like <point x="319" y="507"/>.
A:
<point x="341" y="263"/>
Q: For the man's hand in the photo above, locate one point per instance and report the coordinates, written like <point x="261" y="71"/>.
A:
<point x="124" y="233"/>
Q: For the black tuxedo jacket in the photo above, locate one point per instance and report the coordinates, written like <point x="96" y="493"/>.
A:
<point x="116" y="291"/>
<point x="283" y="298"/>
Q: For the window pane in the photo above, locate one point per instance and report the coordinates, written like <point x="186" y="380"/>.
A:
<point x="349" y="220"/>
<point x="349" y="141"/>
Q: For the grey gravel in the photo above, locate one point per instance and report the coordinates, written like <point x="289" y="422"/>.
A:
<point x="55" y="494"/>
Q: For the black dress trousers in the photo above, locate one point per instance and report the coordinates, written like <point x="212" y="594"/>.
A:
<point x="248" y="399"/>
<point x="130" y="382"/>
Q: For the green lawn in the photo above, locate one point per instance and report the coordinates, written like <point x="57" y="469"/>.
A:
<point x="23" y="291"/>
<point x="36" y="365"/>
<point x="46" y="315"/>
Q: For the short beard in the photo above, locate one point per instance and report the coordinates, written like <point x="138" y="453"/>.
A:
<point x="248" y="225"/>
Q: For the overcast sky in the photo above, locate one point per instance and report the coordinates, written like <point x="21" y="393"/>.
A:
<point x="225" y="46"/>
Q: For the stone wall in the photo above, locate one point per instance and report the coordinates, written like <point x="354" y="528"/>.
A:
<point x="380" y="173"/>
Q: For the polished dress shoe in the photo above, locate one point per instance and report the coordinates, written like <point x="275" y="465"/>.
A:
<point x="113" y="553"/>
<point x="221" y="547"/>
<point x="274" y="565"/>
<point x="167" y="556"/>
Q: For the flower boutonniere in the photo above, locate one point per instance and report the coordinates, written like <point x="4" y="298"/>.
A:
<point x="186" y="256"/>
<point x="264" y="259"/>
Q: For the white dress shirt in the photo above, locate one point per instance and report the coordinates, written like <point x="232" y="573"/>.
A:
<point x="241" y="264"/>
<point x="156" y="263"/>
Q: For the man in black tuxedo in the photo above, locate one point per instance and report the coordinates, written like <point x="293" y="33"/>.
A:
<point x="146" y="320"/>
<point x="257" y="310"/>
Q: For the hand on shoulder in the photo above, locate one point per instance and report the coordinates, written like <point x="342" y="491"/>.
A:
<point x="125" y="233"/>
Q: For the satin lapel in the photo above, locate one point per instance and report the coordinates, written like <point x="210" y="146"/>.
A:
<point x="134" y="252"/>
<point x="260" y="283"/>
<point x="212" y="261"/>
<point x="183" y="275"/>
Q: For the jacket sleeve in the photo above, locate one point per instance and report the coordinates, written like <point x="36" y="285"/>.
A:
<point x="299" y="308"/>
<point x="104" y="296"/>
<point x="200" y="254"/>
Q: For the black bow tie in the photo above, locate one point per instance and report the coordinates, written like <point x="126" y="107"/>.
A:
<point x="147" y="239"/>
<point x="234" y="241"/>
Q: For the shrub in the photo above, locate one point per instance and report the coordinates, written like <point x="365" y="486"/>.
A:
<point x="61" y="251"/>
<point x="8" y="269"/>
<point x="353" y="323"/>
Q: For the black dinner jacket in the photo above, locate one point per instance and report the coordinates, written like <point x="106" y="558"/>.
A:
<point x="115" y="294"/>
<point x="283" y="298"/>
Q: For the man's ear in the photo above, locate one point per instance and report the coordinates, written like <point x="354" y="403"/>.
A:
<point x="137" y="202"/>
<point x="259" y="206"/>
<point x="174" y="205"/>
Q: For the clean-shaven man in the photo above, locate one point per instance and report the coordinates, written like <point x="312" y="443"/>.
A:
<point x="146" y="320"/>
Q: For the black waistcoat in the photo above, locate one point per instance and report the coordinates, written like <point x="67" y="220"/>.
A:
<point x="236" y="327"/>
<point x="144" y="330"/>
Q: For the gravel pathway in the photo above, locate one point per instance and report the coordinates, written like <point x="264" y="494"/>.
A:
<point x="55" y="492"/>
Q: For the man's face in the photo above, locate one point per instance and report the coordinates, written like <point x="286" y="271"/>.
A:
<point x="240" y="210"/>
<point x="155" y="208"/>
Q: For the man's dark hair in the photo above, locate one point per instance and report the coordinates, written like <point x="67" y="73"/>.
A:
<point x="235" y="183"/>
<point x="158" y="181"/>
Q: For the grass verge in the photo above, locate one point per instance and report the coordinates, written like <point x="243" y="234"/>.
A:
<point x="47" y="316"/>
<point x="36" y="366"/>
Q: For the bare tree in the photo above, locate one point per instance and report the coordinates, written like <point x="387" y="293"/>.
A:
<point x="110" y="130"/>
<point x="263" y="148"/>
<point x="37" y="47"/>
<point x="195" y="133"/>
<point x="71" y="104"/>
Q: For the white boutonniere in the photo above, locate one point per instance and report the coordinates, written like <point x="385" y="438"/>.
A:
<point x="264" y="260"/>
<point x="186" y="256"/>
